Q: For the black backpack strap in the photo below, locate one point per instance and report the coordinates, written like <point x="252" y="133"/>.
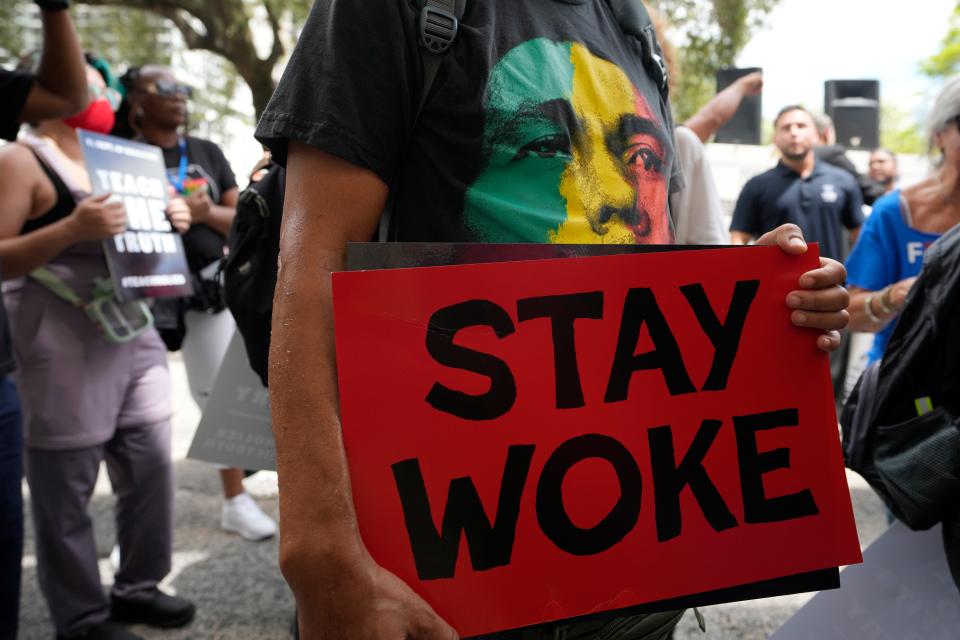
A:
<point x="634" y="20"/>
<point x="437" y="25"/>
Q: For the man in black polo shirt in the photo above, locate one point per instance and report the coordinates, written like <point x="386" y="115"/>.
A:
<point x="813" y="195"/>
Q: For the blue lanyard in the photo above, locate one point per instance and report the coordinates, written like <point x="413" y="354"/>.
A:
<point x="182" y="171"/>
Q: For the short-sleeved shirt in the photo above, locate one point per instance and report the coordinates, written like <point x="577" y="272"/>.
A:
<point x="207" y="168"/>
<point x="696" y="208"/>
<point x="887" y="251"/>
<point x="819" y="204"/>
<point x="542" y="125"/>
<point x="15" y="86"/>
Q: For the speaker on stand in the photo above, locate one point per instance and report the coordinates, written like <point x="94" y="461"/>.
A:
<point x="744" y="126"/>
<point x="854" y="106"/>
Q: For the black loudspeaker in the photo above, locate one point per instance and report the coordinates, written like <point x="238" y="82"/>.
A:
<point x="744" y="126"/>
<point x="854" y="106"/>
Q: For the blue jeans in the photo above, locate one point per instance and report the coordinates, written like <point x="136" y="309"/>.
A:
<point x="11" y="507"/>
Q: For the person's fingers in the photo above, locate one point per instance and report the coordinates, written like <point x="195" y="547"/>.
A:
<point x="103" y="197"/>
<point x="829" y="341"/>
<point x="430" y="626"/>
<point x="835" y="298"/>
<point x="823" y="320"/>
<point x="830" y="273"/>
<point x="788" y="237"/>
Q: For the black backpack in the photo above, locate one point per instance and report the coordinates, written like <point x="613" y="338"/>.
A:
<point x="250" y="269"/>
<point x="901" y="424"/>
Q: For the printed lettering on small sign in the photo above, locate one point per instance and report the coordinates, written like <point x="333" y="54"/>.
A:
<point x="147" y="260"/>
<point x="532" y="441"/>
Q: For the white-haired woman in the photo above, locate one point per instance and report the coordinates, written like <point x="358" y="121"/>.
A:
<point x="888" y="255"/>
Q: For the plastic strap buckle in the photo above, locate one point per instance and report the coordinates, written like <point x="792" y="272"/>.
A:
<point x="438" y="29"/>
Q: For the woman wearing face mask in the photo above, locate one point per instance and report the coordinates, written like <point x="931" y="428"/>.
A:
<point x="85" y="399"/>
<point x="200" y="326"/>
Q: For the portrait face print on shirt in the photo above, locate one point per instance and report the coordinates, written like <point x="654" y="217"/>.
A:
<point x="572" y="153"/>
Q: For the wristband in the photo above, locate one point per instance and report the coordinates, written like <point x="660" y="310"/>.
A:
<point x="883" y="297"/>
<point x="53" y="5"/>
<point x="868" y="309"/>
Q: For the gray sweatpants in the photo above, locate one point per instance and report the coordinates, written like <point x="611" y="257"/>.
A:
<point x="85" y="401"/>
<point x="61" y="483"/>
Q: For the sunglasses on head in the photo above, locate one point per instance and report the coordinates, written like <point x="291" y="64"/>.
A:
<point x="109" y="94"/>
<point x="169" y="89"/>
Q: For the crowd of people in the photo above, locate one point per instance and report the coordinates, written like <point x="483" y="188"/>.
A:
<point x="568" y="139"/>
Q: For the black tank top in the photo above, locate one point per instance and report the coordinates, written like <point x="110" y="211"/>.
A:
<point x="62" y="208"/>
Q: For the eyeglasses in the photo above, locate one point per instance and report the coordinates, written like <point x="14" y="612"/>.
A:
<point x="169" y="89"/>
<point x="109" y="94"/>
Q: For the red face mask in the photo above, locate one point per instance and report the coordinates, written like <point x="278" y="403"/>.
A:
<point x="97" y="117"/>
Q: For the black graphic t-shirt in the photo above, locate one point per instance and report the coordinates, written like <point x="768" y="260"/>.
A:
<point x="208" y="169"/>
<point x="542" y="124"/>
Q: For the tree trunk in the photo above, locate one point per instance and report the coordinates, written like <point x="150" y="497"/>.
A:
<point x="226" y="32"/>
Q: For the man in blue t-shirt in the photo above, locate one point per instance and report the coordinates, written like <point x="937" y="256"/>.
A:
<point x="818" y="198"/>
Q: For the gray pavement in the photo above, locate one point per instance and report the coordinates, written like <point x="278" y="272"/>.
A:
<point x="238" y="588"/>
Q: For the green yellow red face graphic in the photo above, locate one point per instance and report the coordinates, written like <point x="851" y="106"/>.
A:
<point x="572" y="153"/>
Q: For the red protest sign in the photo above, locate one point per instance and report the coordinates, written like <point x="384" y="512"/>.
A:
<point x="538" y="440"/>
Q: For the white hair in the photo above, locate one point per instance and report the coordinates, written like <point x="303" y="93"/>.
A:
<point x="945" y="108"/>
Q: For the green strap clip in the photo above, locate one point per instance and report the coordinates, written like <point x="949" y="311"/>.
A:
<point x="120" y="322"/>
<point x="924" y="405"/>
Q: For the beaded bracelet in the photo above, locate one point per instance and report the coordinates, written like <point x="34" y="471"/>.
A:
<point x="882" y="298"/>
<point x="868" y="309"/>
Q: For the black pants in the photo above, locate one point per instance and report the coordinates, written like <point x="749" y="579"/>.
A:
<point x="651" y="626"/>
<point x="11" y="507"/>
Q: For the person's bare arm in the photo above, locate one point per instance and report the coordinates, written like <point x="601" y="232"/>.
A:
<point x="92" y="219"/>
<point x="713" y="115"/>
<point x="885" y="305"/>
<point x="60" y="89"/>
<point x="341" y="592"/>
<point x="740" y="237"/>
<point x="218" y="217"/>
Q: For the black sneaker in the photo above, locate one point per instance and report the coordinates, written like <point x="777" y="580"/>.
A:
<point x="103" y="631"/>
<point x="160" y="610"/>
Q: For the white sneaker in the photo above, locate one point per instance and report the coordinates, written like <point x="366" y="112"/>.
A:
<point x="242" y="515"/>
<point x="115" y="558"/>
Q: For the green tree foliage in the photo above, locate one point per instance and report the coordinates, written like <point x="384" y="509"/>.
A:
<point x="900" y="132"/>
<point x="227" y="28"/>
<point x="708" y="34"/>
<point x="946" y="62"/>
<point x="141" y="37"/>
<point x="219" y="45"/>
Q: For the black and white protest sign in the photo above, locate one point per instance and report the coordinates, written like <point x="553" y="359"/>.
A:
<point x="147" y="260"/>
<point x="235" y="427"/>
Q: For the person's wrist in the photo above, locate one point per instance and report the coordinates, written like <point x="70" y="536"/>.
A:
<point x="53" y="5"/>
<point x="868" y="310"/>
<point x="304" y="554"/>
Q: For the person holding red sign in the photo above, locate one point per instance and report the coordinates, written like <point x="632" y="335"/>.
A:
<point x="544" y="125"/>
